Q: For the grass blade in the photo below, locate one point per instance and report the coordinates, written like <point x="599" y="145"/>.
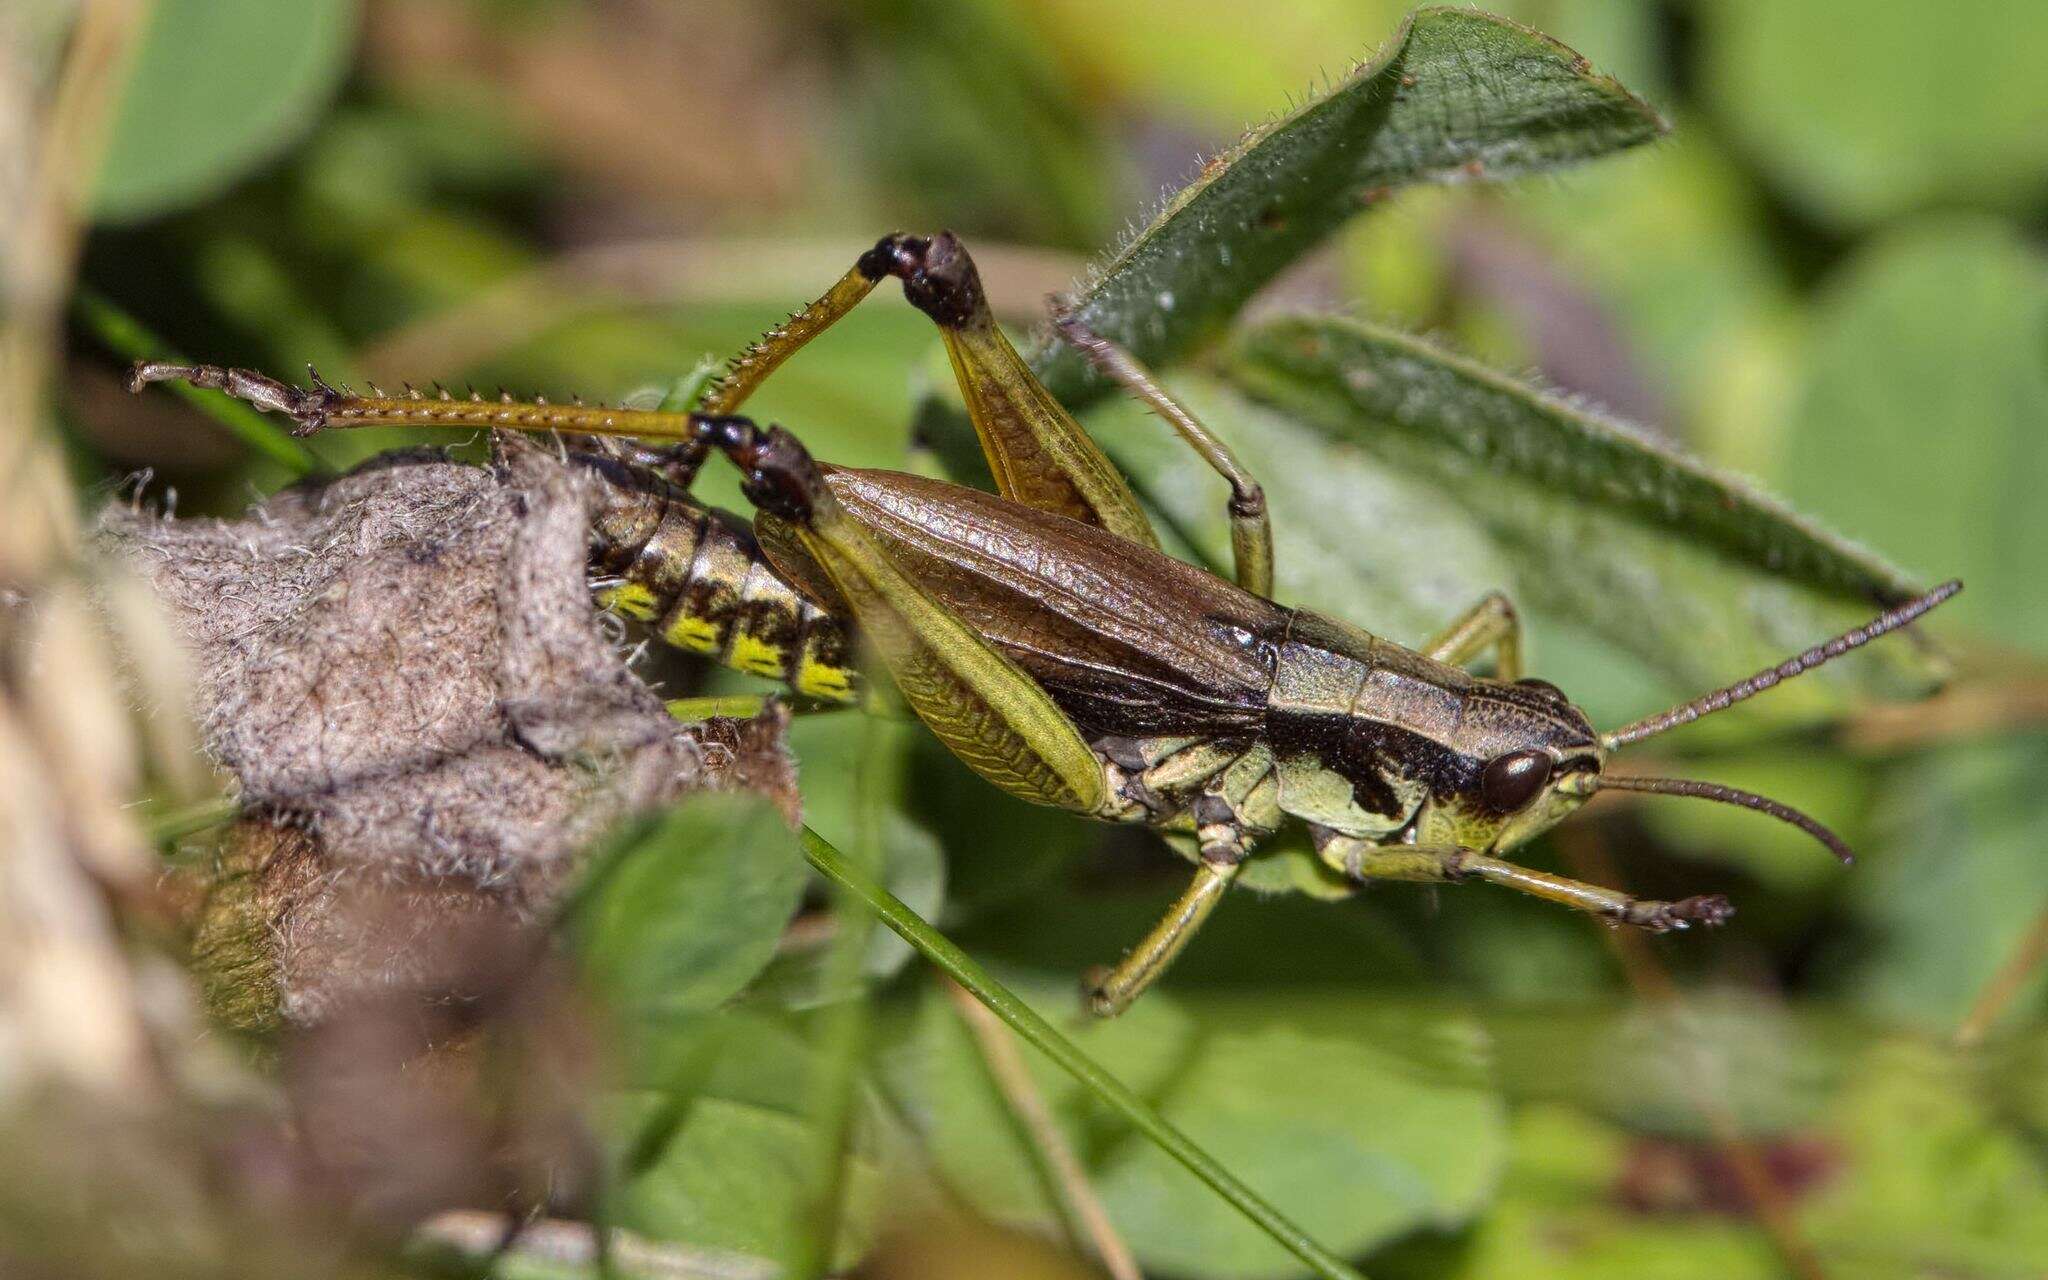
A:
<point x="1020" y="1017"/>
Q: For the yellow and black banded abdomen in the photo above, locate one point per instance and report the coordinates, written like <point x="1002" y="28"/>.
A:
<point x="699" y="577"/>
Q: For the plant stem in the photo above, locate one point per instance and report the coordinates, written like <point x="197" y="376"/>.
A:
<point x="740" y="706"/>
<point x="190" y="820"/>
<point x="999" y="1000"/>
<point x="2001" y="988"/>
<point x="843" y="1026"/>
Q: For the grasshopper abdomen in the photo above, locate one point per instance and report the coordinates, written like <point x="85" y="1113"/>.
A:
<point x="698" y="576"/>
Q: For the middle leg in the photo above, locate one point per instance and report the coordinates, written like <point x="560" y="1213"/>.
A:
<point x="1251" y="529"/>
<point x="1111" y="991"/>
<point x="1237" y="805"/>
<point x="1493" y="623"/>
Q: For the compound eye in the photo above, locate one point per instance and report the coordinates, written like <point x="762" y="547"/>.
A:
<point x="1513" y="780"/>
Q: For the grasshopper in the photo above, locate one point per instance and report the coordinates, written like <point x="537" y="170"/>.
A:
<point x="1043" y="635"/>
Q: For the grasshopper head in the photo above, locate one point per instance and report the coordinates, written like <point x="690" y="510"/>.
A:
<point x="1543" y="759"/>
<point x="1528" y="758"/>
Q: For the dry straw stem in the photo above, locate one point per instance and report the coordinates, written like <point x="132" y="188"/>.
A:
<point x="40" y="248"/>
<point x="2005" y="985"/>
<point x="68" y="756"/>
<point x="1013" y="1078"/>
<point x="548" y="1243"/>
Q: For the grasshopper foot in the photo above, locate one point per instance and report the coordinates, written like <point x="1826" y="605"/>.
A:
<point x="307" y="407"/>
<point x="1707" y="910"/>
<point x="1096" y="993"/>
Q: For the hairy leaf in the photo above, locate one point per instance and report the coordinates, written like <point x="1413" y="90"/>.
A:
<point x="1381" y="381"/>
<point x="1429" y="479"/>
<point x="1455" y="95"/>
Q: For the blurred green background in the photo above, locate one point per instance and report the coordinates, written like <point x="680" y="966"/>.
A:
<point x="1829" y="276"/>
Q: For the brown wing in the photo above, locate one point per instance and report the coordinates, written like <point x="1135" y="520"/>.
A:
<point x="1128" y="640"/>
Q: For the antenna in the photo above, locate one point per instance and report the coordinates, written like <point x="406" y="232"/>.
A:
<point x="1720" y="699"/>
<point x="1730" y="795"/>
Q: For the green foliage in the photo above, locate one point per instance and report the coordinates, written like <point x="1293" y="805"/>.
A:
<point x="1377" y="1136"/>
<point x="1934" y="1179"/>
<point x="1868" y="111"/>
<point x="1932" y="346"/>
<point x="1904" y="1167"/>
<point x="1669" y="1068"/>
<point x="683" y="911"/>
<point x="1362" y="383"/>
<point x="1953" y="880"/>
<point x="673" y="922"/>
<point x="1457" y="1084"/>
<point x="1112" y="1092"/>
<point x="1577" y="515"/>
<point x="1555" y="1218"/>
<point x="216" y="89"/>
<point x="723" y="1154"/>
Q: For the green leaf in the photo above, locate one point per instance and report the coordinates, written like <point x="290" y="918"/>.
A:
<point x="1768" y="1067"/>
<point x="1455" y="95"/>
<point x="681" y="913"/>
<point x="216" y="88"/>
<point x="1906" y="1171"/>
<point x="1117" y="1097"/>
<point x="1921" y="421"/>
<point x="1952" y="880"/>
<point x="1363" y="383"/>
<point x="1863" y="111"/>
<point x="1362" y="1126"/>
<point x="736" y="1169"/>
<point x="1428" y="479"/>
<point x="1557" y="1219"/>
<point x="1936" y="1182"/>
